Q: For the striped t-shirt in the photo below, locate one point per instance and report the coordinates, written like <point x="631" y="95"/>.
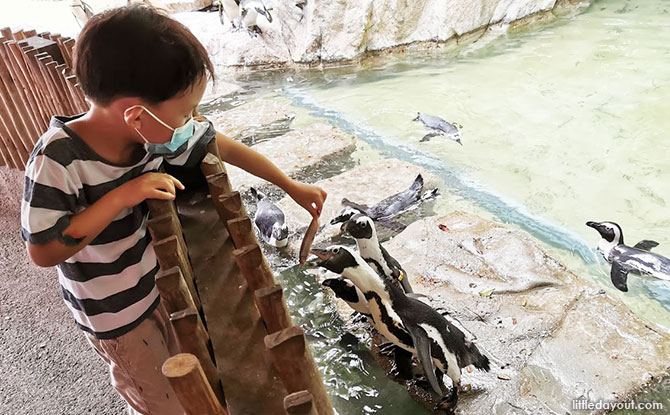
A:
<point x="109" y="284"/>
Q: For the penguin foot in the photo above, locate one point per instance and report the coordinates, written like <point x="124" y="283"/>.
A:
<point x="448" y="402"/>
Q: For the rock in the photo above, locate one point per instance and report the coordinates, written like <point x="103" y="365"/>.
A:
<point x="366" y="184"/>
<point x="177" y="6"/>
<point x="253" y="117"/>
<point x="553" y="333"/>
<point x="297" y="151"/>
<point x="219" y="89"/>
<point x="335" y="30"/>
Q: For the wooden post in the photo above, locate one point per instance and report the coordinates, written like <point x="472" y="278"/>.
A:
<point x="170" y="254"/>
<point x="241" y="231"/>
<point x="41" y="84"/>
<point x="193" y="338"/>
<point x="191" y="386"/>
<point x="166" y="225"/>
<point x="11" y="117"/>
<point x="18" y="69"/>
<point x="42" y="60"/>
<point x="174" y="290"/>
<point x="293" y="360"/>
<point x="254" y="267"/>
<point x="212" y="164"/>
<point x="271" y="305"/>
<point x="300" y="403"/>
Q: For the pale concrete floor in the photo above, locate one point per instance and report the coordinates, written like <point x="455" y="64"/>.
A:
<point x="46" y="365"/>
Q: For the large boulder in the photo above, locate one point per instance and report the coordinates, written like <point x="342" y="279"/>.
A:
<point x="296" y="152"/>
<point x="334" y="30"/>
<point x="553" y="337"/>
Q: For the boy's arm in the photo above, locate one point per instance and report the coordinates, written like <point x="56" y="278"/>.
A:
<point x="310" y="197"/>
<point x="87" y="224"/>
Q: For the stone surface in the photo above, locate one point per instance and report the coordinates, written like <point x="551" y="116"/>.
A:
<point x="297" y="151"/>
<point x="334" y="30"/>
<point x="249" y="118"/>
<point x="367" y="184"/>
<point x="558" y="337"/>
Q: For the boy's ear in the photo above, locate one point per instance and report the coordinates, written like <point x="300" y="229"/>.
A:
<point x="131" y="116"/>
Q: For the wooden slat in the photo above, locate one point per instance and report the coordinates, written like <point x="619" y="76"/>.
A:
<point x="37" y="75"/>
<point x="271" y="305"/>
<point x="56" y="78"/>
<point x="6" y="32"/>
<point x="27" y="53"/>
<point x="19" y="35"/>
<point x="30" y="33"/>
<point x="12" y="118"/>
<point x="42" y="59"/>
<point x="21" y="73"/>
<point x="174" y="292"/>
<point x="170" y="254"/>
<point x="5" y="137"/>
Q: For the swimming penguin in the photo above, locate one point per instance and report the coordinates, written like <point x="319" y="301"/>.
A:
<point x="249" y="11"/>
<point x="231" y="10"/>
<point x="626" y="259"/>
<point x="439" y="126"/>
<point x="388" y="207"/>
<point x="363" y="230"/>
<point x="269" y="221"/>
<point x="409" y="323"/>
<point x="348" y="292"/>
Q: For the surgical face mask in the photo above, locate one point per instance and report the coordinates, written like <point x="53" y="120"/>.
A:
<point x="180" y="135"/>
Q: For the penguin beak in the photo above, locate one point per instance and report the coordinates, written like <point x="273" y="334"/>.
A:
<point x="323" y="254"/>
<point x="594" y="225"/>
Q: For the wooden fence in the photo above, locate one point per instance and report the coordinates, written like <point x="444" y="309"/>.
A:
<point x="36" y="82"/>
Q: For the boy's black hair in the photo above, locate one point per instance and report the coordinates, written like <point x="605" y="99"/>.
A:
<point x="135" y="51"/>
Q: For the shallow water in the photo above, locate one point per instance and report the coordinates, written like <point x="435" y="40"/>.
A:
<point x="562" y="124"/>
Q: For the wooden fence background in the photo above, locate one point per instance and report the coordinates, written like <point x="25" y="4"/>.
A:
<point x="36" y="82"/>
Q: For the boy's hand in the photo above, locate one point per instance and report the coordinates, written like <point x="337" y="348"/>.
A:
<point x="310" y="197"/>
<point x="148" y="186"/>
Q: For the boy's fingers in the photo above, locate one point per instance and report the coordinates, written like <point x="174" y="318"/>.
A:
<point x="177" y="183"/>
<point x="161" y="194"/>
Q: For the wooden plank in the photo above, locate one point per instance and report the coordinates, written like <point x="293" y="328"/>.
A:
<point x="234" y="324"/>
<point x="42" y="59"/>
<point x="59" y="87"/>
<point x="188" y="380"/>
<point x="19" y="35"/>
<point x="21" y="72"/>
<point x="12" y="118"/>
<point x="293" y="360"/>
<point x="300" y="403"/>
<point x="193" y="338"/>
<point x="48" y="108"/>
<point x="6" y="32"/>
<point x="30" y="33"/>
<point x="27" y="54"/>
<point x="4" y="139"/>
<point x="27" y="128"/>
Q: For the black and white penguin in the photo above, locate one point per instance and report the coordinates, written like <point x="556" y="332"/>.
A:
<point x="439" y="126"/>
<point x="408" y="322"/>
<point x="348" y="292"/>
<point x="388" y="207"/>
<point x="626" y="259"/>
<point x="249" y="11"/>
<point x="269" y="221"/>
<point x="362" y="228"/>
<point x="231" y="10"/>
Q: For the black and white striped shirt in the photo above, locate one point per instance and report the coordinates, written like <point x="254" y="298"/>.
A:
<point x="109" y="284"/>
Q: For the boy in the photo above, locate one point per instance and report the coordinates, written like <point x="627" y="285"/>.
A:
<point x="88" y="177"/>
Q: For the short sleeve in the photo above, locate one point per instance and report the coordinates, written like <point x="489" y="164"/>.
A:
<point x="194" y="150"/>
<point x="49" y="199"/>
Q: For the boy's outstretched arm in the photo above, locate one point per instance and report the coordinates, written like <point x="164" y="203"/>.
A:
<point x="87" y="224"/>
<point x="310" y="197"/>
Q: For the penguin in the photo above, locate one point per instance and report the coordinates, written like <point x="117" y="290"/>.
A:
<point x="231" y="10"/>
<point x="363" y="230"/>
<point x="409" y="323"/>
<point x="438" y="126"/>
<point x="249" y="11"/>
<point x="81" y="12"/>
<point x="625" y="259"/>
<point x="348" y="292"/>
<point x="269" y="221"/>
<point x="388" y="207"/>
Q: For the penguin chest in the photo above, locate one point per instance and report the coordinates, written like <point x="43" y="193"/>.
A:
<point x="387" y="322"/>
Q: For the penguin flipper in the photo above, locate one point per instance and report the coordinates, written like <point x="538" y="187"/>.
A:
<point x="427" y="137"/>
<point x="619" y="276"/>
<point x="646" y="245"/>
<point x="422" y="346"/>
<point x="359" y="206"/>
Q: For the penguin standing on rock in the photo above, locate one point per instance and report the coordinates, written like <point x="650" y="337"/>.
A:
<point x="626" y="259"/>
<point x="409" y="323"/>
<point x="249" y="11"/>
<point x="231" y="10"/>
<point x="363" y="230"/>
<point x="270" y="221"/>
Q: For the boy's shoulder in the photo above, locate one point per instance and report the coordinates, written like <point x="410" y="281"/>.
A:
<point x="60" y="144"/>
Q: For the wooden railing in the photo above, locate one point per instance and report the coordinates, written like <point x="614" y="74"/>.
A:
<point x="36" y="83"/>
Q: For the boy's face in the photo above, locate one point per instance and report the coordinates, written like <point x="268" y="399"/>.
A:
<point x="174" y="112"/>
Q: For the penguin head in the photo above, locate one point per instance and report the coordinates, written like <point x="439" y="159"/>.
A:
<point x="360" y="226"/>
<point x="418" y="115"/>
<point x="257" y="194"/>
<point x="280" y="234"/>
<point x="337" y="258"/>
<point x="609" y="231"/>
<point x="336" y="284"/>
<point x="345" y="214"/>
